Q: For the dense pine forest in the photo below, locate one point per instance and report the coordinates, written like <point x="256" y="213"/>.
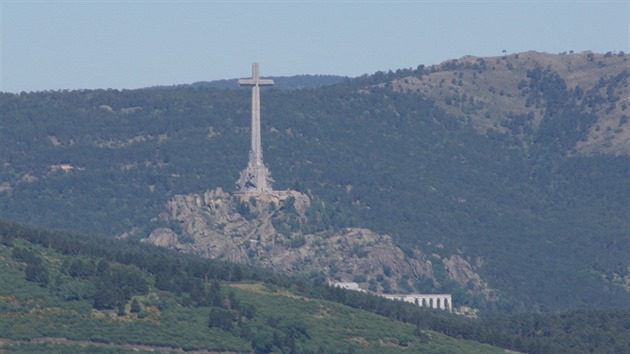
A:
<point x="546" y="224"/>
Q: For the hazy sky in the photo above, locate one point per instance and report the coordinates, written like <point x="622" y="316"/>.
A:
<point x="50" y="45"/>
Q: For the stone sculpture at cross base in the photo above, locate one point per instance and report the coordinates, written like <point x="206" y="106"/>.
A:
<point x="255" y="178"/>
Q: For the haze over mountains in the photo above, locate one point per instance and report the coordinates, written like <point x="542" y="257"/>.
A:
<point x="517" y="164"/>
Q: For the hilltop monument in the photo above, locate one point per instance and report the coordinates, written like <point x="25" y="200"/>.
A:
<point x="255" y="178"/>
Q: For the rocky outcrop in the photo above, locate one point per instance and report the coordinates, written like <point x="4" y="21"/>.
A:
<point x="269" y="231"/>
<point x="163" y="237"/>
<point x="462" y="272"/>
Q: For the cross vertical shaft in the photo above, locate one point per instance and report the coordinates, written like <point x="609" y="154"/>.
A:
<point x="255" y="178"/>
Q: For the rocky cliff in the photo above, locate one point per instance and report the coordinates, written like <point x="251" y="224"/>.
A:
<point x="284" y="231"/>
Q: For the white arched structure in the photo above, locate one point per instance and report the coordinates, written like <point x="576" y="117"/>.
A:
<point x="435" y="301"/>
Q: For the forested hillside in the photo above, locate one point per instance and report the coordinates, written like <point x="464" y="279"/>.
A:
<point x="66" y="292"/>
<point x="543" y="220"/>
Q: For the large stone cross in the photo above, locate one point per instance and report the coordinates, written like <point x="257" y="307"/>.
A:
<point x="255" y="80"/>
<point x="255" y="178"/>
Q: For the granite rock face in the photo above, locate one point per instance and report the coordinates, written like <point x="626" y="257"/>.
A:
<point x="462" y="272"/>
<point x="269" y="230"/>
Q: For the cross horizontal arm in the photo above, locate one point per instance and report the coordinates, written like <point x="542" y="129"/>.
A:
<point x="251" y="82"/>
<point x="262" y="82"/>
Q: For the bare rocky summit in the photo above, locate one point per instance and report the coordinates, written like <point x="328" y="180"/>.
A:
<point x="280" y="231"/>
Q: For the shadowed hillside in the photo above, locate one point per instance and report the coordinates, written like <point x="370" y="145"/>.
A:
<point x="536" y="203"/>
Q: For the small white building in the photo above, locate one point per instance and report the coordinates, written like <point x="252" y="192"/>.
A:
<point x="348" y="286"/>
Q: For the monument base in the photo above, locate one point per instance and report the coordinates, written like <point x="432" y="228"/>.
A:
<point x="272" y="196"/>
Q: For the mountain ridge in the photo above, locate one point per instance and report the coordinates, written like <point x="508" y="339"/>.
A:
<point x="507" y="88"/>
<point x="547" y="219"/>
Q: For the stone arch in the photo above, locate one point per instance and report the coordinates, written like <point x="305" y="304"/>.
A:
<point x="433" y="301"/>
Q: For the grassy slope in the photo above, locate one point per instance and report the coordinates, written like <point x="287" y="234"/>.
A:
<point x="34" y="320"/>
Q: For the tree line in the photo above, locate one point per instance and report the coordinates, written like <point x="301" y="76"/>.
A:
<point x="112" y="272"/>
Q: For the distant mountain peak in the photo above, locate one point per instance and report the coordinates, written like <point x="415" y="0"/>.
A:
<point x="285" y="83"/>
<point x="500" y="94"/>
